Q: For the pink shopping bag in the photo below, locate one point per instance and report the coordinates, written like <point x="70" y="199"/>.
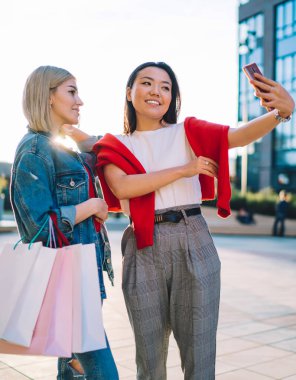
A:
<point x="88" y="330"/>
<point x="53" y="331"/>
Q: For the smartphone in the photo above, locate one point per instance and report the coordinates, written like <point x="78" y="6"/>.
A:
<point x="251" y="69"/>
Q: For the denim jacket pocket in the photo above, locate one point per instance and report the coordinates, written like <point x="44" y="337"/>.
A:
<point x="71" y="188"/>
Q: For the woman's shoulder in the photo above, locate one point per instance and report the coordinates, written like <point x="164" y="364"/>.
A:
<point x="196" y="122"/>
<point x="174" y="128"/>
<point x="121" y="137"/>
<point x="34" y="144"/>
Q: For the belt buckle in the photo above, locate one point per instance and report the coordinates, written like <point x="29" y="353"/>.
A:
<point x="174" y="216"/>
<point x="158" y="218"/>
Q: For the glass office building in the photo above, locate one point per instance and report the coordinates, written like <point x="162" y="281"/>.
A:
<point x="267" y="36"/>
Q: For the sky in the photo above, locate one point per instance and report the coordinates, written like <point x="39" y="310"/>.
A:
<point x="101" y="42"/>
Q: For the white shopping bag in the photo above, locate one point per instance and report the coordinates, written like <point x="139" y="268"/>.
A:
<point x="24" y="274"/>
<point x="88" y="330"/>
<point x="53" y="330"/>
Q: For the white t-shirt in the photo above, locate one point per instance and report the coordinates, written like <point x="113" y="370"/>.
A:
<point x="162" y="149"/>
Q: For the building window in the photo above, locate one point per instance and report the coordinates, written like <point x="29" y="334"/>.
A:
<point x="250" y="50"/>
<point x="285" y="73"/>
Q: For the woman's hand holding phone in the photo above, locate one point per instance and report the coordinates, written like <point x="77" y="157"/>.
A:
<point x="272" y="94"/>
<point x="251" y="70"/>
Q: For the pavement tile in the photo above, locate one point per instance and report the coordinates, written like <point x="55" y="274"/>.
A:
<point x="16" y="360"/>
<point x="272" y="336"/>
<point x="122" y="354"/>
<point x="263" y="310"/>
<point x="117" y="343"/>
<point x="288" y="344"/>
<point x="278" y="368"/>
<point x="253" y="356"/>
<point x="221" y="336"/>
<point x="283" y="320"/>
<point x="172" y="343"/>
<point x="228" y="318"/>
<point x="243" y="329"/>
<point x="174" y="373"/>
<point x="37" y="370"/>
<point x="222" y="367"/>
<point x="242" y="374"/>
<point x="11" y="374"/>
<point x="290" y="378"/>
<point x="233" y="345"/>
<point x="115" y="333"/>
<point x="174" y="359"/>
<point x="125" y="372"/>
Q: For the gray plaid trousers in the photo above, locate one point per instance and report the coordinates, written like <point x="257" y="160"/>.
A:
<point x="173" y="286"/>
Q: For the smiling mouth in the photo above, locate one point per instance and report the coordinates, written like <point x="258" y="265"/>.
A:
<point x="155" y="102"/>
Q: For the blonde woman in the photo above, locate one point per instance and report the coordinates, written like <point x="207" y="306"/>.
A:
<point x="49" y="178"/>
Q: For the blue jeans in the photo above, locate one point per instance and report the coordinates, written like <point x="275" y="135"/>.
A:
<point x="97" y="365"/>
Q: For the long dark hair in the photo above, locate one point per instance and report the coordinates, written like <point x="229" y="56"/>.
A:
<point x="171" y="116"/>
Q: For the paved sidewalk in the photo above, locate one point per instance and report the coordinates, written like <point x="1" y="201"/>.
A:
<point x="257" y="328"/>
<point x="229" y="226"/>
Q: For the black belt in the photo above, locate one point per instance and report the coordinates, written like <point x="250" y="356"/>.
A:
<point x="175" y="216"/>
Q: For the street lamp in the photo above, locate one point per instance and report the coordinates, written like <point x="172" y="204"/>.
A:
<point x="245" y="47"/>
<point x="244" y="153"/>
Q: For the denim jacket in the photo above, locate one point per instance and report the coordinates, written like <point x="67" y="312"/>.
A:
<point x="47" y="177"/>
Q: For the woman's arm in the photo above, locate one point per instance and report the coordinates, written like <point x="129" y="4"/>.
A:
<point x="75" y="133"/>
<point x="84" y="141"/>
<point x="126" y="186"/>
<point x="129" y="186"/>
<point x="273" y="96"/>
<point x="96" y="207"/>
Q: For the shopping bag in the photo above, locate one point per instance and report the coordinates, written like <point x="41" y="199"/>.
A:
<point x="23" y="278"/>
<point x="20" y="326"/>
<point x="53" y="331"/>
<point x="88" y="330"/>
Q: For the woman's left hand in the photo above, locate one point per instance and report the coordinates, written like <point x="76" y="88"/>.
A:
<point x="75" y="133"/>
<point x="67" y="130"/>
<point x="273" y="95"/>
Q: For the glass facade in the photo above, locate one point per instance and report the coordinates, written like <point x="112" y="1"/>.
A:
<point x="271" y="162"/>
<point x="251" y="33"/>
<point x="285" y="73"/>
<point x="250" y="50"/>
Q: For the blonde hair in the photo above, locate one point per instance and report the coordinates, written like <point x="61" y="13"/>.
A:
<point x="36" y="96"/>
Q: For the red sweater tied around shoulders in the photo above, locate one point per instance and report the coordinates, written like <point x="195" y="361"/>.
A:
<point x="205" y="138"/>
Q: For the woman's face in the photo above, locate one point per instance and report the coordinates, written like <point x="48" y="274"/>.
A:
<point x="151" y="93"/>
<point x="65" y="104"/>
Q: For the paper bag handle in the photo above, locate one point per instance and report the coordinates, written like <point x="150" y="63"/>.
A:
<point x="62" y="240"/>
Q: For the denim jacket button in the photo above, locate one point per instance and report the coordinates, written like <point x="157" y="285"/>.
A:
<point x="108" y="260"/>
<point x="72" y="183"/>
